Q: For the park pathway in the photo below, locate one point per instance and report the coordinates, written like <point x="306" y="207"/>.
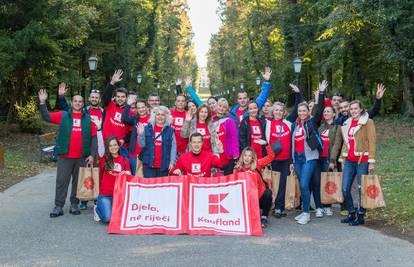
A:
<point x="28" y="237"/>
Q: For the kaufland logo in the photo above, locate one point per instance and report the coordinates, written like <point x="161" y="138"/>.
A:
<point x="214" y="204"/>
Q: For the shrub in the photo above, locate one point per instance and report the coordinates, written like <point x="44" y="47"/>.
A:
<point x="28" y="117"/>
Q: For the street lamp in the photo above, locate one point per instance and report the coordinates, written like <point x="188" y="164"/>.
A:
<point x="258" y="83"/>
<point x="158" y="88"/>
<point x="297" y="65"/>
<point x="139" y="81"/>
<point x="242" y="86"/>
<point x="93" y="64"/>
<point x="234" y="89"/>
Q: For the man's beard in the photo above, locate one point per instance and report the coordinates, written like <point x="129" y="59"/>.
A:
<point x="93" y="105"/>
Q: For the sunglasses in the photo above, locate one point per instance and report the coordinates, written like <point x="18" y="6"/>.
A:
<point x="95" y="91"/>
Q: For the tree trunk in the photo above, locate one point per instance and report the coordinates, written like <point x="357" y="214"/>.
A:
<point x="408" y="90"/>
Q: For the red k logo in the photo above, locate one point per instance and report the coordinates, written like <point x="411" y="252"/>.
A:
<point x="214" y="206"/>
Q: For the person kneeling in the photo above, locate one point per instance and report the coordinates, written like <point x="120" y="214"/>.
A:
<point x="248" y="162"/>
<point x="197" y="162"/>
<point x="111" y="164"/>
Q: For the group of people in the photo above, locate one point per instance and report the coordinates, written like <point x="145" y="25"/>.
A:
<point x="213" y="139"/>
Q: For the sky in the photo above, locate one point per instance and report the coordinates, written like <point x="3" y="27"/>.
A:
<point x="205" y="22"/>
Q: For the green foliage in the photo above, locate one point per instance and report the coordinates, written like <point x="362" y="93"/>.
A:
<point x="28" y="117"/>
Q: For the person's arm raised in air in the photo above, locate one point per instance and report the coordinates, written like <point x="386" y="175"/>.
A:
<point x="376" y="107"/>
<point x="178" y="89"/>
<point x="321" y="103"/>
<point x="63" y="104"/>
<point x="264" y="94"/>
<point x="126" y="117"/>
<point x="107" y="93"/>
<point x="193" y="93"/>
<point x="298" y="99"/>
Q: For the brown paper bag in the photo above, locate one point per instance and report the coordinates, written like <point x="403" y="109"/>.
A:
<point x="275" y="184"/>
<point x="371" y="192"/>
<point x="331" y="188"/>
<point x="139" y="171"/>
<point x="292" y="196"/>
<point x="88" y="183"/>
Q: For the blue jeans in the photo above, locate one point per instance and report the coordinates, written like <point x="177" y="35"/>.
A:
<point x="132" y="164"/>
<point x="352" y="169"/>
<point x="304" y="170"/>
<point x="104" y="208"/>
<point x="152" y="172"/>
<point x="281" y="166"/>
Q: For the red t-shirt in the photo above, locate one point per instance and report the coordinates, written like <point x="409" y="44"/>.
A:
<point x="197" y="165"/>
<point x="95" y="113"/>
<point x="299" y="138"/>
<point x="138" y="149"/>
<point x="256" y="134"/>
<point x="240" y="113"/>
<point x="285" y="138"/>
<point x="158" y="147"/>
<point x="325" y="142"/>
<point x="178" y="119"/>
<point x="222" y="137"/>
<point x="75" y="143"/>
<point x="351" y="153"/>
<point x="113" y="125"/>
<point x="202" y="129"/>
<point x="109" y="177"/>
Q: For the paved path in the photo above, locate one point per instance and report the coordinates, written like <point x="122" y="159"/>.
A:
<point x="28" y="237"/>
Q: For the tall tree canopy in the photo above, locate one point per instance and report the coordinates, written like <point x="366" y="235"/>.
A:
<point x="352" y="44"/>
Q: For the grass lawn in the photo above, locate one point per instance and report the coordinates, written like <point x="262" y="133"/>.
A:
<point x="395" y="165"/>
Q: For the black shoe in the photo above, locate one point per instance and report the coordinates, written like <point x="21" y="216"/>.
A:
<point x="358" y="220"/>
<point x="278" y="213"/>
<point x="56" y="212"/>
<point x="74" y="209"/>
<point x="351" y="217"/>
<point x="264" y="222"/>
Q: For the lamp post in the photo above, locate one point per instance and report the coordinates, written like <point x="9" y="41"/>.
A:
<point x="169" y="90"/>
<point x="297" y="65"/>
<point x="158" y="88"/>
<point x="93" y="64"/>
<point x="139" y="81"/>
<point x="258" y="83"/>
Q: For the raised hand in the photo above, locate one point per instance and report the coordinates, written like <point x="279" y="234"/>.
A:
<point x="62" y="89"/>
<point x="178" y="81"/>
<point x="219" y="144"/>
<point x="188" y="82"/>
<point x="294" y="88"/>
<point x="132" y="99"/>
<point x="322" y="86"/>
<point x="189" y="115"/>
<point x="140" y="129"/>
<point x="117" y="77"/>
<point x="42" y="96"/>
<point x="380" y="91"/>
<point x="260" y="142"/>
<point x="267" y="73"/>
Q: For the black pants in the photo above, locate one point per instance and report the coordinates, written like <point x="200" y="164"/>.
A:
<point x="265" y="202"/>
<point x="281" y="166"/>
<point x="228" y="169"/>
<point x="67" y="169"/>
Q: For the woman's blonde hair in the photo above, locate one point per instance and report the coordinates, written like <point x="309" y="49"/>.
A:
<point x="223" y="101"/>
<point x="168" y="117"/>
<point x="240" y="163"/>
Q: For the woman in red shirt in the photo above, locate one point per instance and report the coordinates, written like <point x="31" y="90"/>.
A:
<point x="201" y="124"/>
<point x="248" y="162"/>
<point x="111" y="164"/>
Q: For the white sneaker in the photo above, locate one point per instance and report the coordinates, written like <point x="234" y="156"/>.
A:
<point x="328" y="211"/>
<point x="297" y="218"/>
<point x="95" y="214"/>
<point x="304" y="219"/>
<point x="319" y="213"/>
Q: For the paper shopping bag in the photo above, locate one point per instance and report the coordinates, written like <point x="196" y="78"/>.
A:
<point x="371" y="192"/>
<point x="88" y="183"/>
<point x="275" y="184"/>
<point x="331" y="188"/>
<point x="292" y="196"/>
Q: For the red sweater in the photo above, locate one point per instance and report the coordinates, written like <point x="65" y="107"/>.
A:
<point x="197" y="165"/>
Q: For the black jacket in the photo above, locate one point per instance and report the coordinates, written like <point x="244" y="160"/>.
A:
<point x="245" y="134"/>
